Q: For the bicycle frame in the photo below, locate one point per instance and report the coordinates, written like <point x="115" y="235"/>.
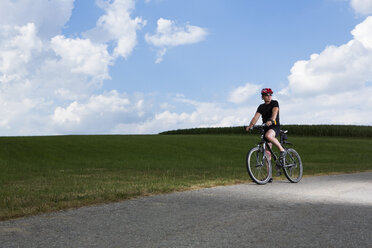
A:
<point x="265" y="144"/>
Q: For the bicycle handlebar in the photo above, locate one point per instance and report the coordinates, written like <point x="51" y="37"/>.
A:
<point x="260" y="127"/>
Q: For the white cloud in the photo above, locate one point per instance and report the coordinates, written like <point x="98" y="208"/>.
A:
<point x="202" y="114"/>
<point x="349" y="107"/>
<point x="118" y="26"/>
<point x="332" y="86"/>
<point x="17" y="46"/>
<point x="363" y="33"/>
<point x="243" y="93"/>
<point x="362" y="6"/>
<point x="336" y="69"/>
<point x="82" y="56"/>
<point x="110" y="112"/>
<point x="96" y="106"/>
<point x="168" y="34"/>
<point x="48" y="16"/>
<point x="47" y="79"/>
<point x="36" y="75"/>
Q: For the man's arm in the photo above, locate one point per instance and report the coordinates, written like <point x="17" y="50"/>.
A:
<point x="273" y="117"/>
<point x="253" y="121"/>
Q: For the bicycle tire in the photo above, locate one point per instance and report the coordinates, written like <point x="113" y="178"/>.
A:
<point x="293" y="169"/>
<point x="258" y="166"/>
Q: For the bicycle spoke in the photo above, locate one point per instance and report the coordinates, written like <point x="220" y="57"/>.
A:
<point x="258" y="166"/>
<point x="293" y="166"/>
<point x="290" y="171"/>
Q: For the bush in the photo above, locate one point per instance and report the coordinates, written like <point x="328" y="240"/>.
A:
<point x="298" y="130"/>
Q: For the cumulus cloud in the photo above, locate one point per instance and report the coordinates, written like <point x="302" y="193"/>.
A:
<point x="363" y="33"/>
<point x="17" y="46"/>
<point x="82" y="56"/>
<point x="333" y="86"/>
<point x="36" y="75"/>
<point x="243" y="93"/>
<point x="168" y="34"/>
<point x="43" y="72"/>
<point x="99" y="113"/>
<point x="48" y="16"/>
<point x="348" y="107"/>
<point x="336" y="69"/>
<point x="203" y="114"/>
<point x="362" y="6"/>
<point x="118" y="26"/>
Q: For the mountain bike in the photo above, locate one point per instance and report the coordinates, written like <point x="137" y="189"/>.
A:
<point x="259" y="165"/>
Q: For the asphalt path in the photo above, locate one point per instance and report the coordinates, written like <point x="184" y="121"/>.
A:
<point x="324" y="211"/>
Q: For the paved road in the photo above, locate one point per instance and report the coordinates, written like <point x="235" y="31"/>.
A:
<point x="327" y="211"/>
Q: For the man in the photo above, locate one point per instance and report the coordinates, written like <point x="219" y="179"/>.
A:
<point x="270" y="115"/>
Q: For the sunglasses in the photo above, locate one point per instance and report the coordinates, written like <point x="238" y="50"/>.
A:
<point x="267" y="94"/>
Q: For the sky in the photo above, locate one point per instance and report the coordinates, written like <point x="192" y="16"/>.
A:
<point x="147" y="66"/>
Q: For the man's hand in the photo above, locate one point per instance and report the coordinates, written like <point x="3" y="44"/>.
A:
<point x="270" y="122"/>
<point x="248" y="129"/>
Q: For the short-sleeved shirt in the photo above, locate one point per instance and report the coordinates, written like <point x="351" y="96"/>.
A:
<point x="266" y="111"/>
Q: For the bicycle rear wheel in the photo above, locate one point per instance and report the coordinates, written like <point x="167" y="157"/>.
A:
<point x="293" y="166"/>
<point x="258" y="166"/>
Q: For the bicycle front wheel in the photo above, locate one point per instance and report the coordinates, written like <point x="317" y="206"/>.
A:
<point x="293" y="166"/>
<point x="258" y="166"/>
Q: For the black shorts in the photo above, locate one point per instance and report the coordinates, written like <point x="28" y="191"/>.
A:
<point x="276" y="129"/>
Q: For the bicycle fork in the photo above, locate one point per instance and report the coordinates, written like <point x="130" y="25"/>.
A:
<point x="262" y="149"/>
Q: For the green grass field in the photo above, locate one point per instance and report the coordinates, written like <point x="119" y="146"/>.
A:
<point x="42" y="174"/>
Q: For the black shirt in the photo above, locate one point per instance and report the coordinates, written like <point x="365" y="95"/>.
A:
<point x="266" y="110"/>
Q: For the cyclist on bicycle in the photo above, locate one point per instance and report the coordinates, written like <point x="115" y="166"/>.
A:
<point x="270" y="116"/>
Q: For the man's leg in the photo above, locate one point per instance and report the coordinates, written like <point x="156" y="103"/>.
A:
<point x="268" y="154"/>
<point x="270" y="136"/>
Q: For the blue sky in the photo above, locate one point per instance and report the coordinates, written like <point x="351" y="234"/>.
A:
<point x="145" y="66"/>
<point x="247" y="41"/>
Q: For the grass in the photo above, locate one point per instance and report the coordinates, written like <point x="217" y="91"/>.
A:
<point x="42" y="174"/>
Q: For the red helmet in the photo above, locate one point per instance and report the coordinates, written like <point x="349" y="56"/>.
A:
<point x="265" y="91"/>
